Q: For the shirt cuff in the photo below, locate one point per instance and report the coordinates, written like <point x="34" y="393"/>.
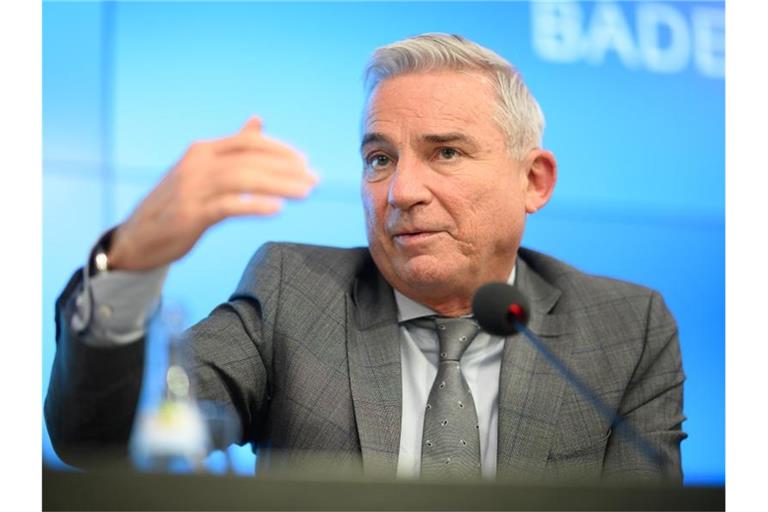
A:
<point x="115" y="305"/>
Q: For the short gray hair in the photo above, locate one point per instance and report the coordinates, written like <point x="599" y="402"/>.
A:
<point x="518" y="115"/>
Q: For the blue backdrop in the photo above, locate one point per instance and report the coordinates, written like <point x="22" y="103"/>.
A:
<point x="633" y="93"/>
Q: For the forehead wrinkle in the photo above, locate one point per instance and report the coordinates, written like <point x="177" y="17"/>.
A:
<point x="433" y="112"/>
<point x="446" y="123"/>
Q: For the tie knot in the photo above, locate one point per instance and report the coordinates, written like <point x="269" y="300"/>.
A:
<point x="455" y="334"/>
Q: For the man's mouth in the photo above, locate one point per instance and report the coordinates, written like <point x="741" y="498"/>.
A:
<point x="414" y="237"/>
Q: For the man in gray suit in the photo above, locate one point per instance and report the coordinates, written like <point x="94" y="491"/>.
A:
<point x="321" y="350"/>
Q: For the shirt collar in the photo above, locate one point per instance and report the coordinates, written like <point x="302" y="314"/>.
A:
<point x="408" y="309"/>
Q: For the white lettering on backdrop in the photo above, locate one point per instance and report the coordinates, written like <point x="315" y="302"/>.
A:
<point x="651" y="36"/>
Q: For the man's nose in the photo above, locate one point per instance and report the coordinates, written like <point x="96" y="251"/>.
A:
<point x="408" y="184"/>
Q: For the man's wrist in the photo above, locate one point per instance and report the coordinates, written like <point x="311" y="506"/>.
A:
<point x="99" y="261"/>
<point x="116" y="256"/>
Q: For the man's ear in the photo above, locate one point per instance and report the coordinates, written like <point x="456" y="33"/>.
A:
<point x="541" y="176"/>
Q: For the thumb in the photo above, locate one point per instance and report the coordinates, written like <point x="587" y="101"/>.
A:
<point x="253" y="124"/>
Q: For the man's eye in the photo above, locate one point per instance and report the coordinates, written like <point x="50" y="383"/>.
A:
<point x="377" y="166"/>
<point x="378" y="161"/>
<point x="448" y="153"/>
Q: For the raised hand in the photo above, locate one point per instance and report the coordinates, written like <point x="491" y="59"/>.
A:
<point x="245" y="174"/>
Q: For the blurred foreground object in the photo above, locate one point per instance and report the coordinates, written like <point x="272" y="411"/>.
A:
<point x="131" y="491"/>
<point x="173" y="431"/>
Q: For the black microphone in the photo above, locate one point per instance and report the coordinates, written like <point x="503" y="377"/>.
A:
<point x="499" y="308"/>
<point x="502" y="310"/>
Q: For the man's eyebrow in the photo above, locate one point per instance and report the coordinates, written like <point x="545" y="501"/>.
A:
<point x="432" y="138"/>
<point x="372" y="137"/>
<point x="443" y="138"/>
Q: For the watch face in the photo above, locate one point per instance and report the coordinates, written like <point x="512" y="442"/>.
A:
<point x="100" y="261"/>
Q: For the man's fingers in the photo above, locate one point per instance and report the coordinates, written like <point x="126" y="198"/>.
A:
<point x="248" y="173"/>
<point x="255" y="141"/>
<point x="291" y="167"/>
<point x="269" y="182"/>
<point x="238" y="205"/>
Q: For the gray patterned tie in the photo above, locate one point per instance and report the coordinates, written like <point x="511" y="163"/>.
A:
<point x="451" y="442"/>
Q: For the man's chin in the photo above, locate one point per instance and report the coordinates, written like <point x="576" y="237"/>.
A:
<point x="429" y="273"/>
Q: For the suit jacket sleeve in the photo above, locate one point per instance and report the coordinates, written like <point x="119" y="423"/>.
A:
<point x="652" y="404"/>
<point x="94" y="390"/>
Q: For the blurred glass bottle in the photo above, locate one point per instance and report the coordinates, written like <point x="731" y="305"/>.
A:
<point x="170" y="433"/>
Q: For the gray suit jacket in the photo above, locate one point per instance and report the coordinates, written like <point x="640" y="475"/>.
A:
<point x="306" y="351"/>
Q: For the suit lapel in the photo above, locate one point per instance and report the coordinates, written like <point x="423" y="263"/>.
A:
<point x="530" y="391"/>
<point x="373" y="348"/>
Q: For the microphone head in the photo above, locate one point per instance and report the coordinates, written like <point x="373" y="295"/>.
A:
<point x="497" y="306"/>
